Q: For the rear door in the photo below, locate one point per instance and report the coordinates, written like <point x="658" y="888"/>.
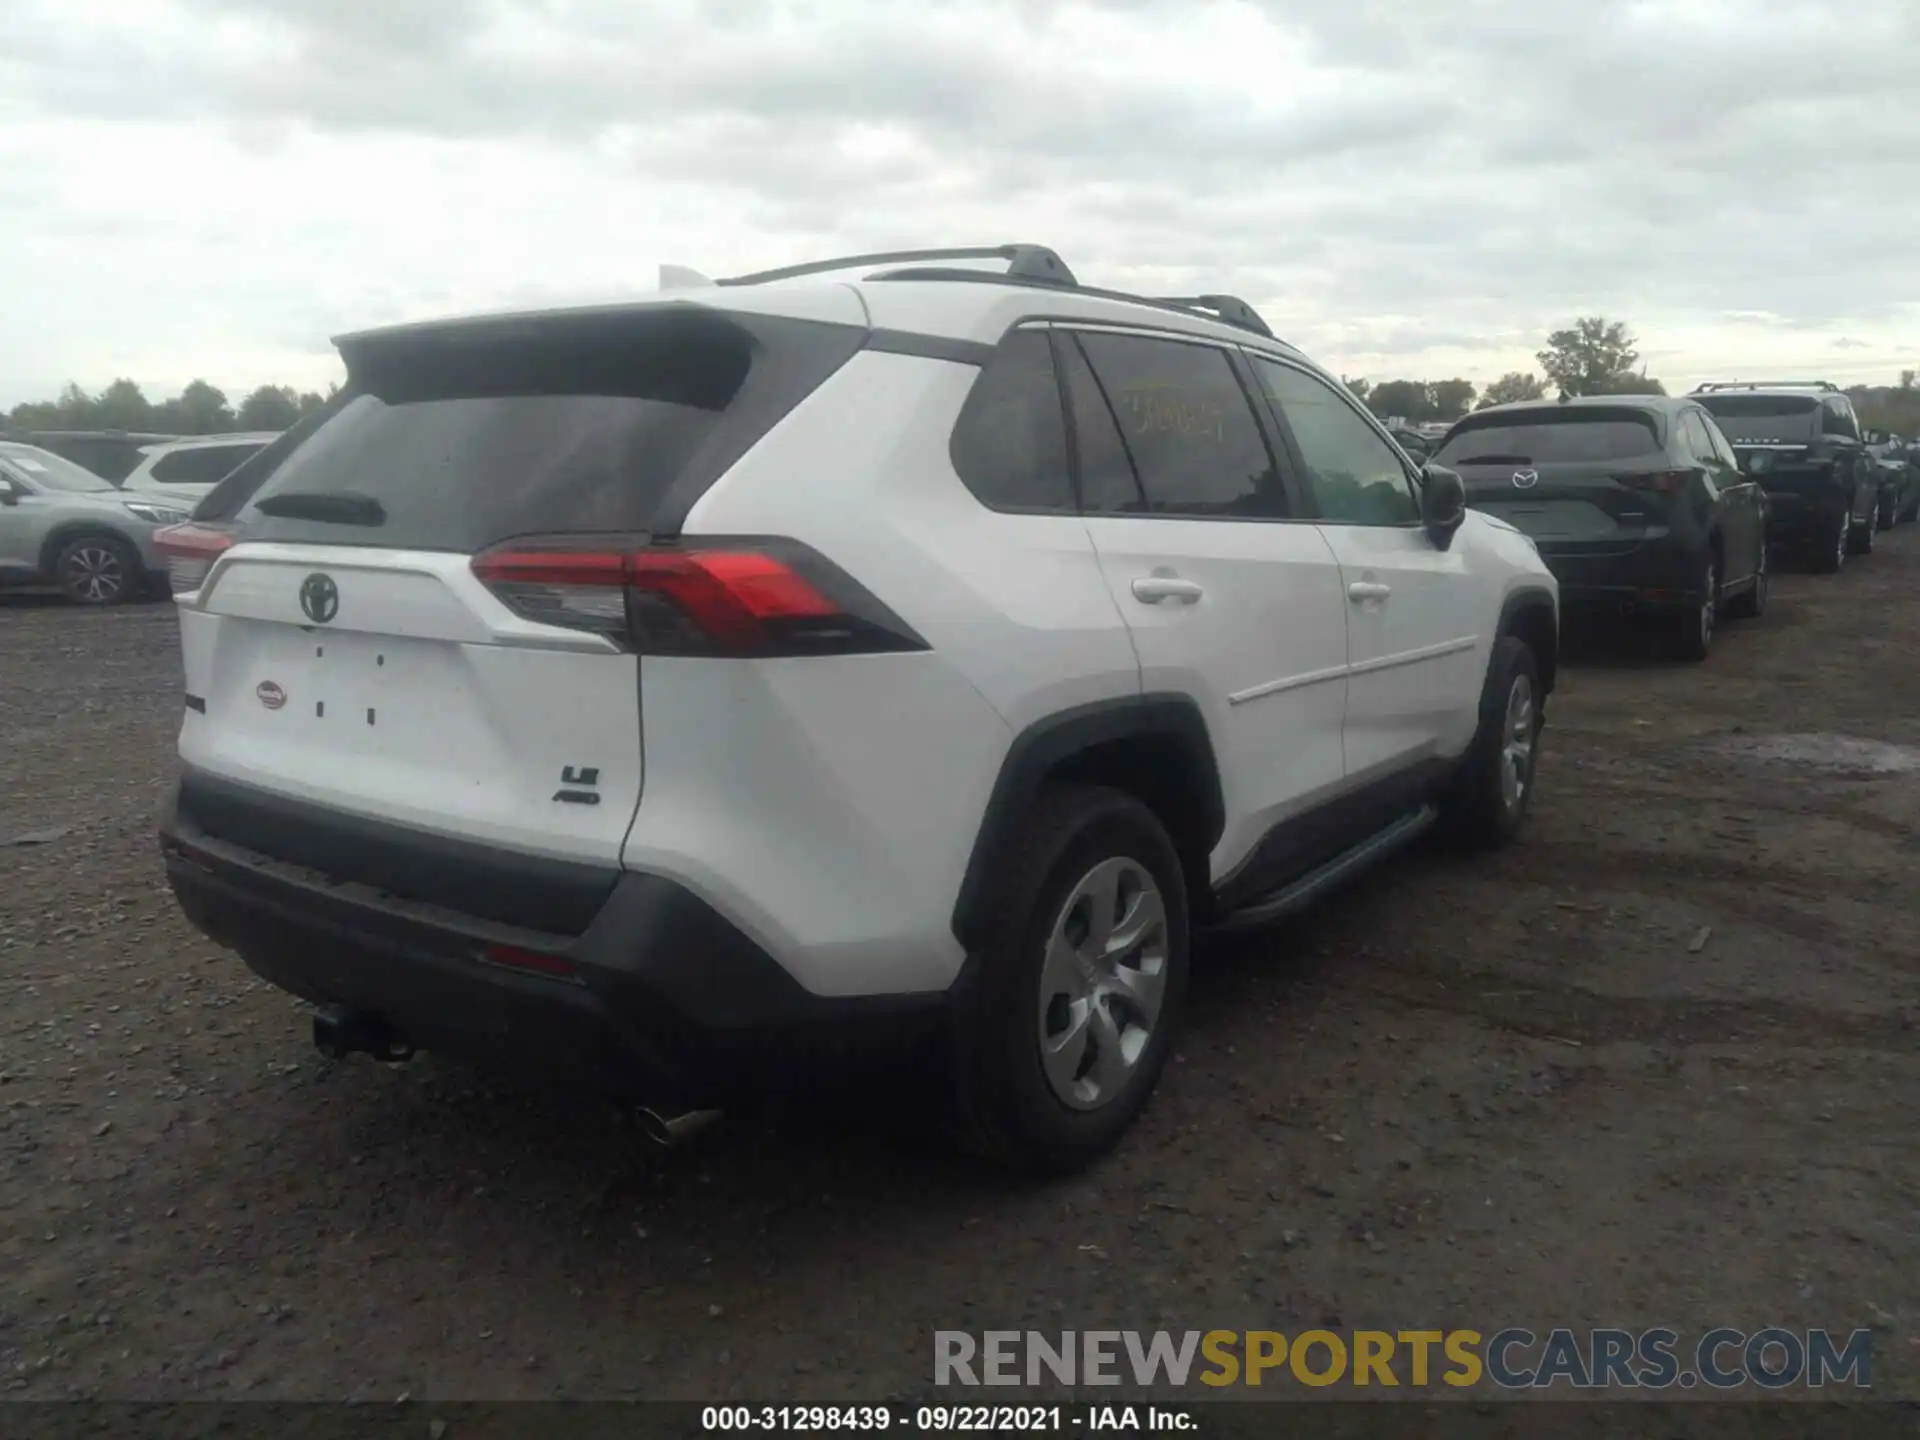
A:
<point x="1414" y="648"/>
<point x="1735" y="494"/>
<point x="1228" y="596"/>
<point x="347" y="653"/>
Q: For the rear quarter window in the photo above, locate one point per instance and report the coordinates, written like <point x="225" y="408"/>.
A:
<point x="594" y="422"/>
<point x="1010" y="443"/>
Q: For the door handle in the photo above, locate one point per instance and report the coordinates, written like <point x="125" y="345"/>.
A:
<point x="1152" y="589"/>
<point x="1368" y="590"/>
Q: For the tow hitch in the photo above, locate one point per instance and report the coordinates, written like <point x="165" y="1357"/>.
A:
<point x="339" y="1031"/>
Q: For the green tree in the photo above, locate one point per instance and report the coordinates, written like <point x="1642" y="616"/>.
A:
<point x="1407" y="398"/>
<point x="1356" y="387"/>
<point x="1631" y="383"/>
<point x="1515" y="385"/>
<point x="269" y="407"/>
<point x="202" y="409"/>
<point x="1449" y="399"/>
<point x="310" y="401"/>
<point x="75" y="409"/>
<point x="1906" y="379"/>
<point x="122" y="406"/>
<point x="1590" y="357"/>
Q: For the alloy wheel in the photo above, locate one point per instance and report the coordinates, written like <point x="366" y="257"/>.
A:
<point x="93" y="575"/>
<point x="1516" y="744"/>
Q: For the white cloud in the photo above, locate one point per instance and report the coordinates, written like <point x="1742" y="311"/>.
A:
<point x="213" y="187"/>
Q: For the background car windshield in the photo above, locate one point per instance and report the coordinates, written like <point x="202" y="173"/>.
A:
<point x="1762" y="417"/>
<point x="1548" y="439"/>
<point x="49" y="470"/>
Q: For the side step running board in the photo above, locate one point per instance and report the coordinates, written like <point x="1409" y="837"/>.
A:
<point x="1311" y="886"/>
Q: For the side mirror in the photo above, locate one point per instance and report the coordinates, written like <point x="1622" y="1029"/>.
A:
<point x="9" y="493"/>
<point x="1759" y="462"/>
<point x="1443" y="503"/>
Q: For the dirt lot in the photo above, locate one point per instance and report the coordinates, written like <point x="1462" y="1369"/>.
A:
<point x="1472" y="1091"/>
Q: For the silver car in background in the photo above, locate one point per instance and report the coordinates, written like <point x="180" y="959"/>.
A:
<point x="62" y="525"/>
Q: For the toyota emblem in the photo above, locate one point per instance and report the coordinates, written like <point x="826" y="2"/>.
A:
<point x="320" y="598"/>
<point x="1522" y="480"/>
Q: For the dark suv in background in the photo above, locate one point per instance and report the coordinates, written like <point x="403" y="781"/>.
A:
<point x="1898" y="466"/>
<point x="1802" y="442"/>
<point x="1636" y="503"/>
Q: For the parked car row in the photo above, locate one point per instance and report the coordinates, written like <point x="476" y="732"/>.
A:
<point x="64" y="525"/>
<point x="1671" y="508"/>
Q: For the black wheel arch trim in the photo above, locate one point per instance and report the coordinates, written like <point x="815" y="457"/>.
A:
<point x="1520" y="602"/>
<point x="1045" y="745"/>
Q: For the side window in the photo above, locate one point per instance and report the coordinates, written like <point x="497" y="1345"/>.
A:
<point x="1109" y="484"/>
<point x="1837" y="419"/>
<point x="1357" y="478"/>
<point x="1721" y="449"/>
<point x="1188" y="426"/>
<point x="1699" y="443"/>
<point x="201" y="465"/>
<point x="1010" y="443"/>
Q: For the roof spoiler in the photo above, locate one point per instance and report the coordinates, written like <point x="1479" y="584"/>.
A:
<point x="679" y="277"/>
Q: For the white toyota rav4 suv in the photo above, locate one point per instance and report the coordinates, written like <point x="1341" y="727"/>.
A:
<point x="791" y="669"/>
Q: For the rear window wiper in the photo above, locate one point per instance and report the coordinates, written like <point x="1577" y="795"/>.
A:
<point x="335" y="507"/>
<point x="1495" y="460"/>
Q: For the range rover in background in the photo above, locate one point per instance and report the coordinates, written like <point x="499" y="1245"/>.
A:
<point x="1635" y="502"/>
<point x="1801" y="440"/>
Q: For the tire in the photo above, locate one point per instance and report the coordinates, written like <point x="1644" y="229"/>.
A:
<point x="1493" y="787"/>
<point x="1693" y="629"/>
<point x="98" y="569"/>
<point x="1888" y="506"/>
<point x="1861" y="542"/>
<point x="1752" y="603"/>
<point x="1828" y="558"/>
<point x="1036" y="981"/>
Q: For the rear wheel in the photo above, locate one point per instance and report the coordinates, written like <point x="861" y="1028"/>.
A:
<point x="1753" y="602"/>
<point x="1693" y="628"/>
<point x="97" y="570"/>
<point x="1061" y="1036"/>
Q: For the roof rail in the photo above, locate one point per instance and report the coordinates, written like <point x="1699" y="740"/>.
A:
<point x="1826" y="386"/>
<point x="1024" y="262"/>
<point x="1230" y="308"/>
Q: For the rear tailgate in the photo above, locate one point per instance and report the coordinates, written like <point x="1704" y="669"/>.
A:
<point x="1586" y="476"/>
<point x="344" y="654"/>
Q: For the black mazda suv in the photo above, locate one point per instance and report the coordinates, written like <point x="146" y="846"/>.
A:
<point x="1635" y="502"/>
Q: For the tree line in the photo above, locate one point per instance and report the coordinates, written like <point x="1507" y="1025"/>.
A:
<point x="199" y="409"/>
<point x="1593" y="356"/>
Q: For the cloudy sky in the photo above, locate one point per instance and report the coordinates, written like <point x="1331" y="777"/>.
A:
<point x="1403" y="187"/>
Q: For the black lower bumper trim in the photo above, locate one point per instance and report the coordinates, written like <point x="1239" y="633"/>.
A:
<point x="659" y="999"/>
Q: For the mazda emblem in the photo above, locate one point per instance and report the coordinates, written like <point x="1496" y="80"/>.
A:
<point x="320" y="598"/>
<point x="1522" y="480"/>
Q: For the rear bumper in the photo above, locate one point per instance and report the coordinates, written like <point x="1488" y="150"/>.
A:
<point x="659" y="999"/>
<point x="1654" y="575"/>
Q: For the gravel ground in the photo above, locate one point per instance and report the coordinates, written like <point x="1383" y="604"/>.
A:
<point x="1471" y="1091"/>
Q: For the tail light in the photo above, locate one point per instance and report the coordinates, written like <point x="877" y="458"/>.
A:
<point x="190" y="551"/>
<point x="1660" y="482"/>
<point x="760" y="597"/>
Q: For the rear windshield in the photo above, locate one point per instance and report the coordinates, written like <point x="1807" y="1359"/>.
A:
<point x="1747" y="418"/>
<point x="201" y="464"/>
<point x="605" y="422"/>
<point x="1537" y="437"/>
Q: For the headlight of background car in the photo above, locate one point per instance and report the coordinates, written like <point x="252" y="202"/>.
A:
<point x="158" y="514"/>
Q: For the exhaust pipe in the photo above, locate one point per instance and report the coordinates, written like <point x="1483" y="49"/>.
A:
<point x="339" y="1031"/>
<point x="672" y="1129"/>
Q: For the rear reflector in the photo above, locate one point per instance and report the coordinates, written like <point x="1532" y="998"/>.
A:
<point x="532" y="962"/>
<point x="760" y="597"/>
<point x="190" y="551"/>
<point x="1662" y="482"/>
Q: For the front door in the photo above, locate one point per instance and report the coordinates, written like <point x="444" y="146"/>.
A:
<point x="1415" y="655"/>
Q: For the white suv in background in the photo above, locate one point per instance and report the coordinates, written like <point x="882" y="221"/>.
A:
<point x="789" y="670"/>
<point x="188" y="469"/>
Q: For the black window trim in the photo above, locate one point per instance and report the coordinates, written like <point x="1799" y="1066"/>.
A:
<point x="1076" y="510"/>
<point x="1297" y="457"/>
<point x="1278" y="458"/>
